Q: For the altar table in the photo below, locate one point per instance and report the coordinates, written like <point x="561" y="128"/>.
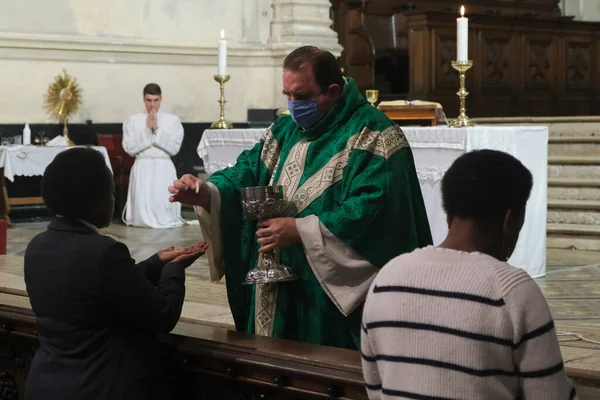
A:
<point x="434" y="150"/>
<point x="21" y="160"/>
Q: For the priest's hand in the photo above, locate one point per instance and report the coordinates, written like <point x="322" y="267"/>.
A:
<point x="191" y="191"/>
<point x="276" y="233"/>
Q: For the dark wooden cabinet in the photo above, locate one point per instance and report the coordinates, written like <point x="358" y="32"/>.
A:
<point x="526" y="8"/>
<point x="528" y="59"/>
<point x="209" y="363"/>
<point x="521" y="67"/>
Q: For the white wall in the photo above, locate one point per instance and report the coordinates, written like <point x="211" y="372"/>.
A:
<point x="195" y="21"/>
<point x="115" y="47"/>
<point x="582" y="10"/>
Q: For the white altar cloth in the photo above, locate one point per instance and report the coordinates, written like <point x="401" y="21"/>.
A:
<point x="21" y="160"/>
<point x="219" y="148"/>
<point x="434" y="150"/>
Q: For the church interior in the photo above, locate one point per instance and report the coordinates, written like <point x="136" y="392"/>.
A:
<point x="522" y="77"/>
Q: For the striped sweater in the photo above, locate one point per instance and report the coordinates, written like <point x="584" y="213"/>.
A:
<point x="442" y="324"/>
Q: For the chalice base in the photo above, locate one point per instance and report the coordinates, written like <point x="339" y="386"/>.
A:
<point x="277" y="273"/>
<point x="269" y="271"/>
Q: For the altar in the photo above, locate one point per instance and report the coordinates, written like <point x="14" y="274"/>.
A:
<point x="434" y="150"/>
<point x="21" y="160"/>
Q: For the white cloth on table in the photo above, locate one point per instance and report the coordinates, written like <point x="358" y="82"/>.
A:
<point x="153" y="171"/>
<point x="21" y="160"/>
<point x="220" y="148"/>
<point x="58" y="141"/>
<point x="529" y="144"/>
<point x="434" y="150"/>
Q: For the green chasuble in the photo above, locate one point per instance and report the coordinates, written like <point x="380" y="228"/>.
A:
<point x="355" y="171"/>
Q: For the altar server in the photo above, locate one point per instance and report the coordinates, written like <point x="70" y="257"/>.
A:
<point x="152" y="137"/>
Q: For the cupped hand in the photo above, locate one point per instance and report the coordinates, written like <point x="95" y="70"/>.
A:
<point x="276" y="233"/>
<point x="188" y="255"/>
<point x="168" y="254"/>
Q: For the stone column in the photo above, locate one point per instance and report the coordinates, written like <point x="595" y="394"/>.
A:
<point x="303" y="22"/>
<point x="590" y="10"/>
<point x="582" y="10"/>
<point x="256" y="18"/>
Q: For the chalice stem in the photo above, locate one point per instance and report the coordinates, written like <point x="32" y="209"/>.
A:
<point x="268" y="260"/>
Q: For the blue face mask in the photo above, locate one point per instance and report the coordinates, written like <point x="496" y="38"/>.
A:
<point x="304" y="112"/>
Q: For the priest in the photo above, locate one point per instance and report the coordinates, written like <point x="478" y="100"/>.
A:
<point x="350" y="172"/>
<point x="152" y="137"/>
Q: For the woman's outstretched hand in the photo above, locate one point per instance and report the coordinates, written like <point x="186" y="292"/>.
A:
<point x="186" y="255"/>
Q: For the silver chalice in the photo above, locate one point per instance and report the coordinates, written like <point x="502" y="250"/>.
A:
<point x="261" y="203"/>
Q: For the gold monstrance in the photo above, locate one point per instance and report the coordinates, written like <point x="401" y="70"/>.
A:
<point x="63" y="99"/>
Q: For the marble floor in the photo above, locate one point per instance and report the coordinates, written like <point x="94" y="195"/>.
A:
<point x="571" y="287"/>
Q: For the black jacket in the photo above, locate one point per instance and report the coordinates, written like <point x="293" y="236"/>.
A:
<point x="97" y="315"/>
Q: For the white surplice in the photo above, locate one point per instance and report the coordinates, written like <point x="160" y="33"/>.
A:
<point x="153" y="172"/>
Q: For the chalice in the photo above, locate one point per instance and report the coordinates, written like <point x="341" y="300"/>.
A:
<point x="261" y="203"/>
<point x="372" y="96"/>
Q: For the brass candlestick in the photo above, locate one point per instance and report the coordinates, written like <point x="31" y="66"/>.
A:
<point x="221" y="123"/>
<point x="462" y="67"/>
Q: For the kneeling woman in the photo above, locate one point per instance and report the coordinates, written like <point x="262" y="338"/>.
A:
<point x="97" y="311"/>
<point x="456" y="321"/>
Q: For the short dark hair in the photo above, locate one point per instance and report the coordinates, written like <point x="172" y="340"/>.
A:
<point x="76" y="182"/>
<point x="483" y="185"/>
<point x="152" y="89"/>
<point x="325" y="67"/>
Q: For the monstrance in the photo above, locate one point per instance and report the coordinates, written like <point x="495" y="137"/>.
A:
<point x="63" y="99"/>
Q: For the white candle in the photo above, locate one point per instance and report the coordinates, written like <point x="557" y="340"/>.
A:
<point x="462" y="36"/>
<point x="222" y="54"/>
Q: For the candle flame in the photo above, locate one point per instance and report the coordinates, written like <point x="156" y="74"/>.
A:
<point x="222" y="33"/>
<point x="462" y="11"/>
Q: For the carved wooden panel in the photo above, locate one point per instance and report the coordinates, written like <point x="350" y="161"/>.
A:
<point x="540" y="62"/>
<point x="521" y="67"/>
<point x="444" y="54"/>
<point x="580" y="62"/>
<point x="498" y="57"/>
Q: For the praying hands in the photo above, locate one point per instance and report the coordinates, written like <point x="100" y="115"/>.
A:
<point x="152" y="121"/>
